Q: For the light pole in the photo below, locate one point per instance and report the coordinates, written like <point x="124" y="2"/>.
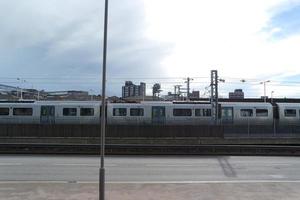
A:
<point x="264" y="83"/>
<point x="91" y="90"/>
<point x="102" y="169"/>
<point x="188" y="80"/>
<point x="272" y="96"/>
<point x="177" y="91"/>
<point x="38" y="96"/>
<point x="21" y="87"/>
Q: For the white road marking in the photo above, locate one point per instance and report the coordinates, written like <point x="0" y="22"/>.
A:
<point x="11" y="164"/>
<point x="155" y="182"/>
<point x="277" y="176"/>
<point x="82" y="164"/>
<point x="205" y="182"/>
<point x="172" y="165"/>
<point x="272" y="164"/>
<point x="7" y="189"/>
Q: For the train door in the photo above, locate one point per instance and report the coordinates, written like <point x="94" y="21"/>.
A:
<point x="47" y="114"/>
<point x="158" y="115"/>
<point x="227" y="115"/>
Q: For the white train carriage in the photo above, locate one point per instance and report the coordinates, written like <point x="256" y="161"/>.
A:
<point x="289" y="113"/>
<point x="50" y="112"/>
<point x="19" y="113"/>
<point x="151" y="113"/>
<point x="240" y="113"/>
<point x="128" y="114"/>
<point x="188" y="114"/>
<point x="158" y="113"/>
<point x="69" y="112"/>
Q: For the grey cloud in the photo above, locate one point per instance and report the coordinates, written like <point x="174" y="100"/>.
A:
<point x="64" y="39"/>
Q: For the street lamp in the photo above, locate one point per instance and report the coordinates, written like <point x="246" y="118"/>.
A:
<point x="272" y="96"/>
<point x="264" y="83"/>
<point x="103" y="105"/>
<point x="21" y="87"/>
<point x="91" y="94"/>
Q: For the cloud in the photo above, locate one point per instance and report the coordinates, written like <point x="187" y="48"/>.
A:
<point x="62" y="41"/>
<point x="230" y="36"/>
<point x="285" y="22"/>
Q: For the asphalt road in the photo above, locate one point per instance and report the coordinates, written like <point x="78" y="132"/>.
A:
<point x="147" y="169"/>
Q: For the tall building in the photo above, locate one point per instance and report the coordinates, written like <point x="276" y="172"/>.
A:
<point x="237" y="94"/>
<point x="195" y="95"/>
<point x="132" y="90"/>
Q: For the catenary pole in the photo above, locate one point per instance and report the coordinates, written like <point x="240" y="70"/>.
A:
<point x="103" y="106"/>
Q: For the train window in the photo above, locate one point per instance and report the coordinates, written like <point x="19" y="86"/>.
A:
<point x="86" y="111"/>
<point x="4" y="111"/>
<point x="290" y="113"/>
<point x="246" y="112"/>
<point x="136" y="112"/>
<point x="22" y="111"/>
<point x="203" y="112"/>
<point x="261" y="113"/>
<point x="182" y="112"/>
<point x="120" y="112"/>
<point x="69" y="112"/>
<point x="44" y="111"/>
<point x="158" y="112"/>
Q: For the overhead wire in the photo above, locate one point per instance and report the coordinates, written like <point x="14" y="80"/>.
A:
<point x="198" y="82"/>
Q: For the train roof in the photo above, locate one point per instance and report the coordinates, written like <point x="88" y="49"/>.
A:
<point x="51" y="102"/>
<point x="25" y="101"/>
<point x="68" y="102"/>
<point x="165" y="103"/>
<point x="288" y="104"/>
<point x="246" y="104"/>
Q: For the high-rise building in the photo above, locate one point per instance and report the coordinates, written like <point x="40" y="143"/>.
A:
<point x="132" y="90"/>
<point x="237" y="94"/>
<point x="142" y="89"/>
<point x="195" y="94"/>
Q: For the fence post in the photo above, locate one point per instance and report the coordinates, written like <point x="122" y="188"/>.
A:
<point x="248" y="127"/>
<point x="274" y="128"/>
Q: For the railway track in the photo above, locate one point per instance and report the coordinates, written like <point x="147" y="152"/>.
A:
<point x="150" y="149"/>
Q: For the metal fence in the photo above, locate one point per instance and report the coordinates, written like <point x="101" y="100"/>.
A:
<point x="33" y="130"/>
<point x="259" y="131"/>
<point x="201" y="131"/>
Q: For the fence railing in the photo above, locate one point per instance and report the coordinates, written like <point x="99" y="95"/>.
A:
<point x="205" y="131"/>
<point x="37" y="130"/>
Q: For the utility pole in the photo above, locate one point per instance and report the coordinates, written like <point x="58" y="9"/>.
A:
<point x="21" y="87"/>
<point x="214" y="95"/>
<point x="91" y="94"/>
<point x="188" y="87"/>
<point x="177" y="91"/>
<point x="103" y="106"/>
<point x="264" y="83"/>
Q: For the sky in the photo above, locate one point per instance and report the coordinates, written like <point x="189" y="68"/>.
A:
<point x="57" y="45"/>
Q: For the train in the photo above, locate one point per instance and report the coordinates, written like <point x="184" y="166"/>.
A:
<point x="148" y="113"/>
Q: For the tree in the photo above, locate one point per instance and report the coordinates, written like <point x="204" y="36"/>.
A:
<point x="156" y="90"/>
